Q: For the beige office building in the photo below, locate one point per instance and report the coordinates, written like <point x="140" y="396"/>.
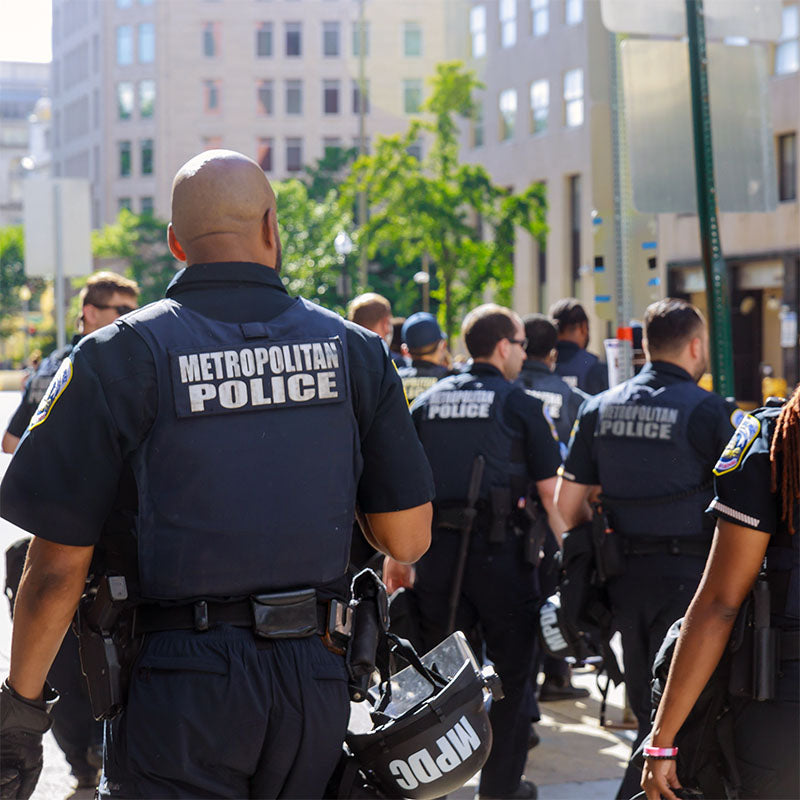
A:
<point x="142" y="85"/>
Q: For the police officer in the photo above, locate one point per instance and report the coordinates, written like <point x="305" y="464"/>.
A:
<point x="229" y="431"/>
<point x="105" y="297"/>
<point x="427" y="346"/>
<point x="757" y="506"/>
<point x="482" y="412"/>
<point x="650" y="444"/>
<point x="373" y="312"/>
<point x="578" y="367"/>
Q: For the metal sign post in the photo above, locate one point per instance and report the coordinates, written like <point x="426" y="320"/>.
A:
<point x="714" y="268"/>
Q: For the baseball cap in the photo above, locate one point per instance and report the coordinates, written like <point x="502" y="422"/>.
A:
<point x="421" y="330"/>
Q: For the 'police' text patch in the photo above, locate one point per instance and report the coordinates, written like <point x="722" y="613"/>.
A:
<point x="736" y="449"/>
<point x="258" y="377"/>
<point x="56" y="388"/>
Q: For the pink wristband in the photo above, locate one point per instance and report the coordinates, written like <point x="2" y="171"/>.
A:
<point x="660" y="752"/>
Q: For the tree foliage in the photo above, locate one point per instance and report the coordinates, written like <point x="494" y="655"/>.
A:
<point x="12" y="274"/>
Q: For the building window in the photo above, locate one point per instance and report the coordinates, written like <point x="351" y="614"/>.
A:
<point x="210" y="40"/>
<point x="124" y="100"/>
<point x="264" y="40"/>
<point x="540" y="17"/>
<point x="573" y="98"/>
<point x="357" y="97"/>
<point x="124" y="45"/>
<point x="124" y="204"/>
<point x="787" y="51"/>
<point x="147" y="43"/>
<point x="412" y="95"/>
<point x="540" y="104"/>
<point x="124" y="149"/>
<point x="294" y="39"/>
<point x="147" y="98"/>
<point x="508" y="113"/>
<point x="477" y="29"/>
<point x="331" y="145"/>
<point x="508" y="23"/>
<point x="573" y="12"/>
<point x="357" y="39"/>
<point x="477" y="126"/>
<point x="330" y="39"/>
<point x="146" y="205"/>
<point x="412" y="39"/>
<point x="294" y="97"/>
<point x="415" y="150"/>
<point x="787" y="167"/>
<point x="264" y="156"/>
<point x="265" y="98"/>
<point x="147" y="156"/>
<point x="211" y="96"/>
<point x="294" y="155"/>
<point x="574" y="192"/>
<point x="330" y="97"/>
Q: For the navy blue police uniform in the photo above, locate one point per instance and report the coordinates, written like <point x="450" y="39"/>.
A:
<point x="229" y="430"/>
<point x="580" y="368"/>
<point x="651" y="444"/>
<point x="420" y="376"/>
<point x="481" y="413"/>
<point x="765" y="732"/>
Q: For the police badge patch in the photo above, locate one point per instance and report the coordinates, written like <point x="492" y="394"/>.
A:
<point x="56" y="388"/>
<point x="736" y="449"/>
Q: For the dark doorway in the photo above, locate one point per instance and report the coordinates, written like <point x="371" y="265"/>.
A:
<point x="746" y="322"/>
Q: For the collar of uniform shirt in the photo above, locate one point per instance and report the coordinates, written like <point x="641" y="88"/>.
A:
<point x="667" y="367"/>
<point x="533" y="365"/>
<point x="231" y="272"/>
<point x="484" y="368"/>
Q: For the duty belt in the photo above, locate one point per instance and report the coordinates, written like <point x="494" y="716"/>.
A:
<point x="669" y="545"/>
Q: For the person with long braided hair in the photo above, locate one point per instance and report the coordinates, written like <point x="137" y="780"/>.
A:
<point x="757" y="500"/>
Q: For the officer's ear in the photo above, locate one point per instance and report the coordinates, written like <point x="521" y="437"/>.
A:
<point x="174" y="245"/>
<point x="269" y="229"/>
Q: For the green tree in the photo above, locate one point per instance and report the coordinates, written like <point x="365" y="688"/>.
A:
<point x="12" y="276"/>
<point x="444" y="208"/>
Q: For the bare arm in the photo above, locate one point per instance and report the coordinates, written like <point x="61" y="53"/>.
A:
<point x="404" y="535"/>
<point x="52" y="584"/>
<point x="547" y="491"/>
<point x="572" y="500"/>
<point x="10" y="442"/>
<point x="733" y="564"/>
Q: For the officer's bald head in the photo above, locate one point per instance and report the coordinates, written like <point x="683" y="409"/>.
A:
<point x="221" y="205"/>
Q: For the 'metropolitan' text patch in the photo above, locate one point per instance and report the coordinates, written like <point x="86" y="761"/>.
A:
<point x="275" y="375"/>
<point x="461" y="404"/>
<point x="638" y="422"/>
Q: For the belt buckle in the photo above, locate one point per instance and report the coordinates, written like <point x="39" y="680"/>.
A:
<point x="339" y="624"/>
<point x="200" y="611"/>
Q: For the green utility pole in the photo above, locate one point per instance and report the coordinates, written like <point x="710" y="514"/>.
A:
<point x="714" y="268"/>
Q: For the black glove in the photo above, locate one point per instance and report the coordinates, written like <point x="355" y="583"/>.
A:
<point x="22" y="724"/>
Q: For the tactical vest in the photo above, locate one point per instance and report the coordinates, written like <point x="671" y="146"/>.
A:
<point x="419" y="377"/>
<point x="40" y="380"/>
<point x="462" y="418"/>
<point x="643" y="453"/>
<point x="555" y="394"/>
<point x="575" y="370"/>
<point x="247" y="479"/>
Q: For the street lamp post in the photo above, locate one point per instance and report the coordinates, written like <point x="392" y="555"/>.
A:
<point x="25" y="297"/>
<point x="423" y="280"/>
<point x="343" y="245"/>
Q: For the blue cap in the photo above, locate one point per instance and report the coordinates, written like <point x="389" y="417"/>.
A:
<point x="421" y="330"/>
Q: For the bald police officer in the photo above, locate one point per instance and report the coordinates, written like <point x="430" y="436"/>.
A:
<point x="650" y="444"/>
<point x="231" y="430"/>
<point x="427" y="346"/>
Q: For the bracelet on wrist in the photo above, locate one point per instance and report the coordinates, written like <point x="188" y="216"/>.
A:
<point x="661" y="753"/>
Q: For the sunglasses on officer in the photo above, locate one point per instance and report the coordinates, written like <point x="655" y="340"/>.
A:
<point x="123" y="309"/>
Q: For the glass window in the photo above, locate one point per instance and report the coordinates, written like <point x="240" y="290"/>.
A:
<point x="477" y="29"/>
<point x="124" y="203"/>
<point x="573" y="13"/>
<point x="147" y="43"/>
<point x="264" y="40"/>
<point x="264" y="155"/>
<point x="357" y="38"/>
<point x="146" y="205"/>
<point x="211" y="95"/>
<point x="573" y="98"/>
<point x="787" y="167"/>
<point x="294" y="155"/>
<point x="124" y="151"/>
<point x="330" y="97"/>
<point x="330" y="39"/>
<point x="124" y="45"/>
<point x="412" y="95"/>
<point x="147" y="156"/>
<point x="357" y="97"/>
<point x="265" y="98"/>
<point x="294" y="97"/>
<point x="412" y="39"/>
<point x="540" y="17"/>
<point x="415" y="150"/>
<point x="508" y="23"/>
<point x="294" y="39"/>
<point x="540" y="105"/>
<point x="787" y="51"/>
<point x="508" y="113"/>
<point x="147" y="98"/>
<point x="574" y="222"/>
<point x="124" y="100"/>
<point x="477" y="126"/>
<point x="210" y="48"/>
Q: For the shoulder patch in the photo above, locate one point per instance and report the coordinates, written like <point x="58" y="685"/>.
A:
<point x="737" y="416"/>
<point x="56" y="388"/>
<point x="741" y="441"/>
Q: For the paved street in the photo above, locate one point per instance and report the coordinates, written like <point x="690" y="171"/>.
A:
<point x="576" y="758"/>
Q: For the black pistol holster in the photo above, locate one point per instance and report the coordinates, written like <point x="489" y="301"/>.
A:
<point x="370" y="625"/>
<point x="609" y="556"/>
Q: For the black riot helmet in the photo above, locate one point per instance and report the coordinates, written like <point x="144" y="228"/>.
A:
<point x="431" y="732"/>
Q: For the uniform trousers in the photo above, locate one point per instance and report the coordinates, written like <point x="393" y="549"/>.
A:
<point x="654" y="591"/>
<point x="226" y="715"/>
<point x="500" y="593"/>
